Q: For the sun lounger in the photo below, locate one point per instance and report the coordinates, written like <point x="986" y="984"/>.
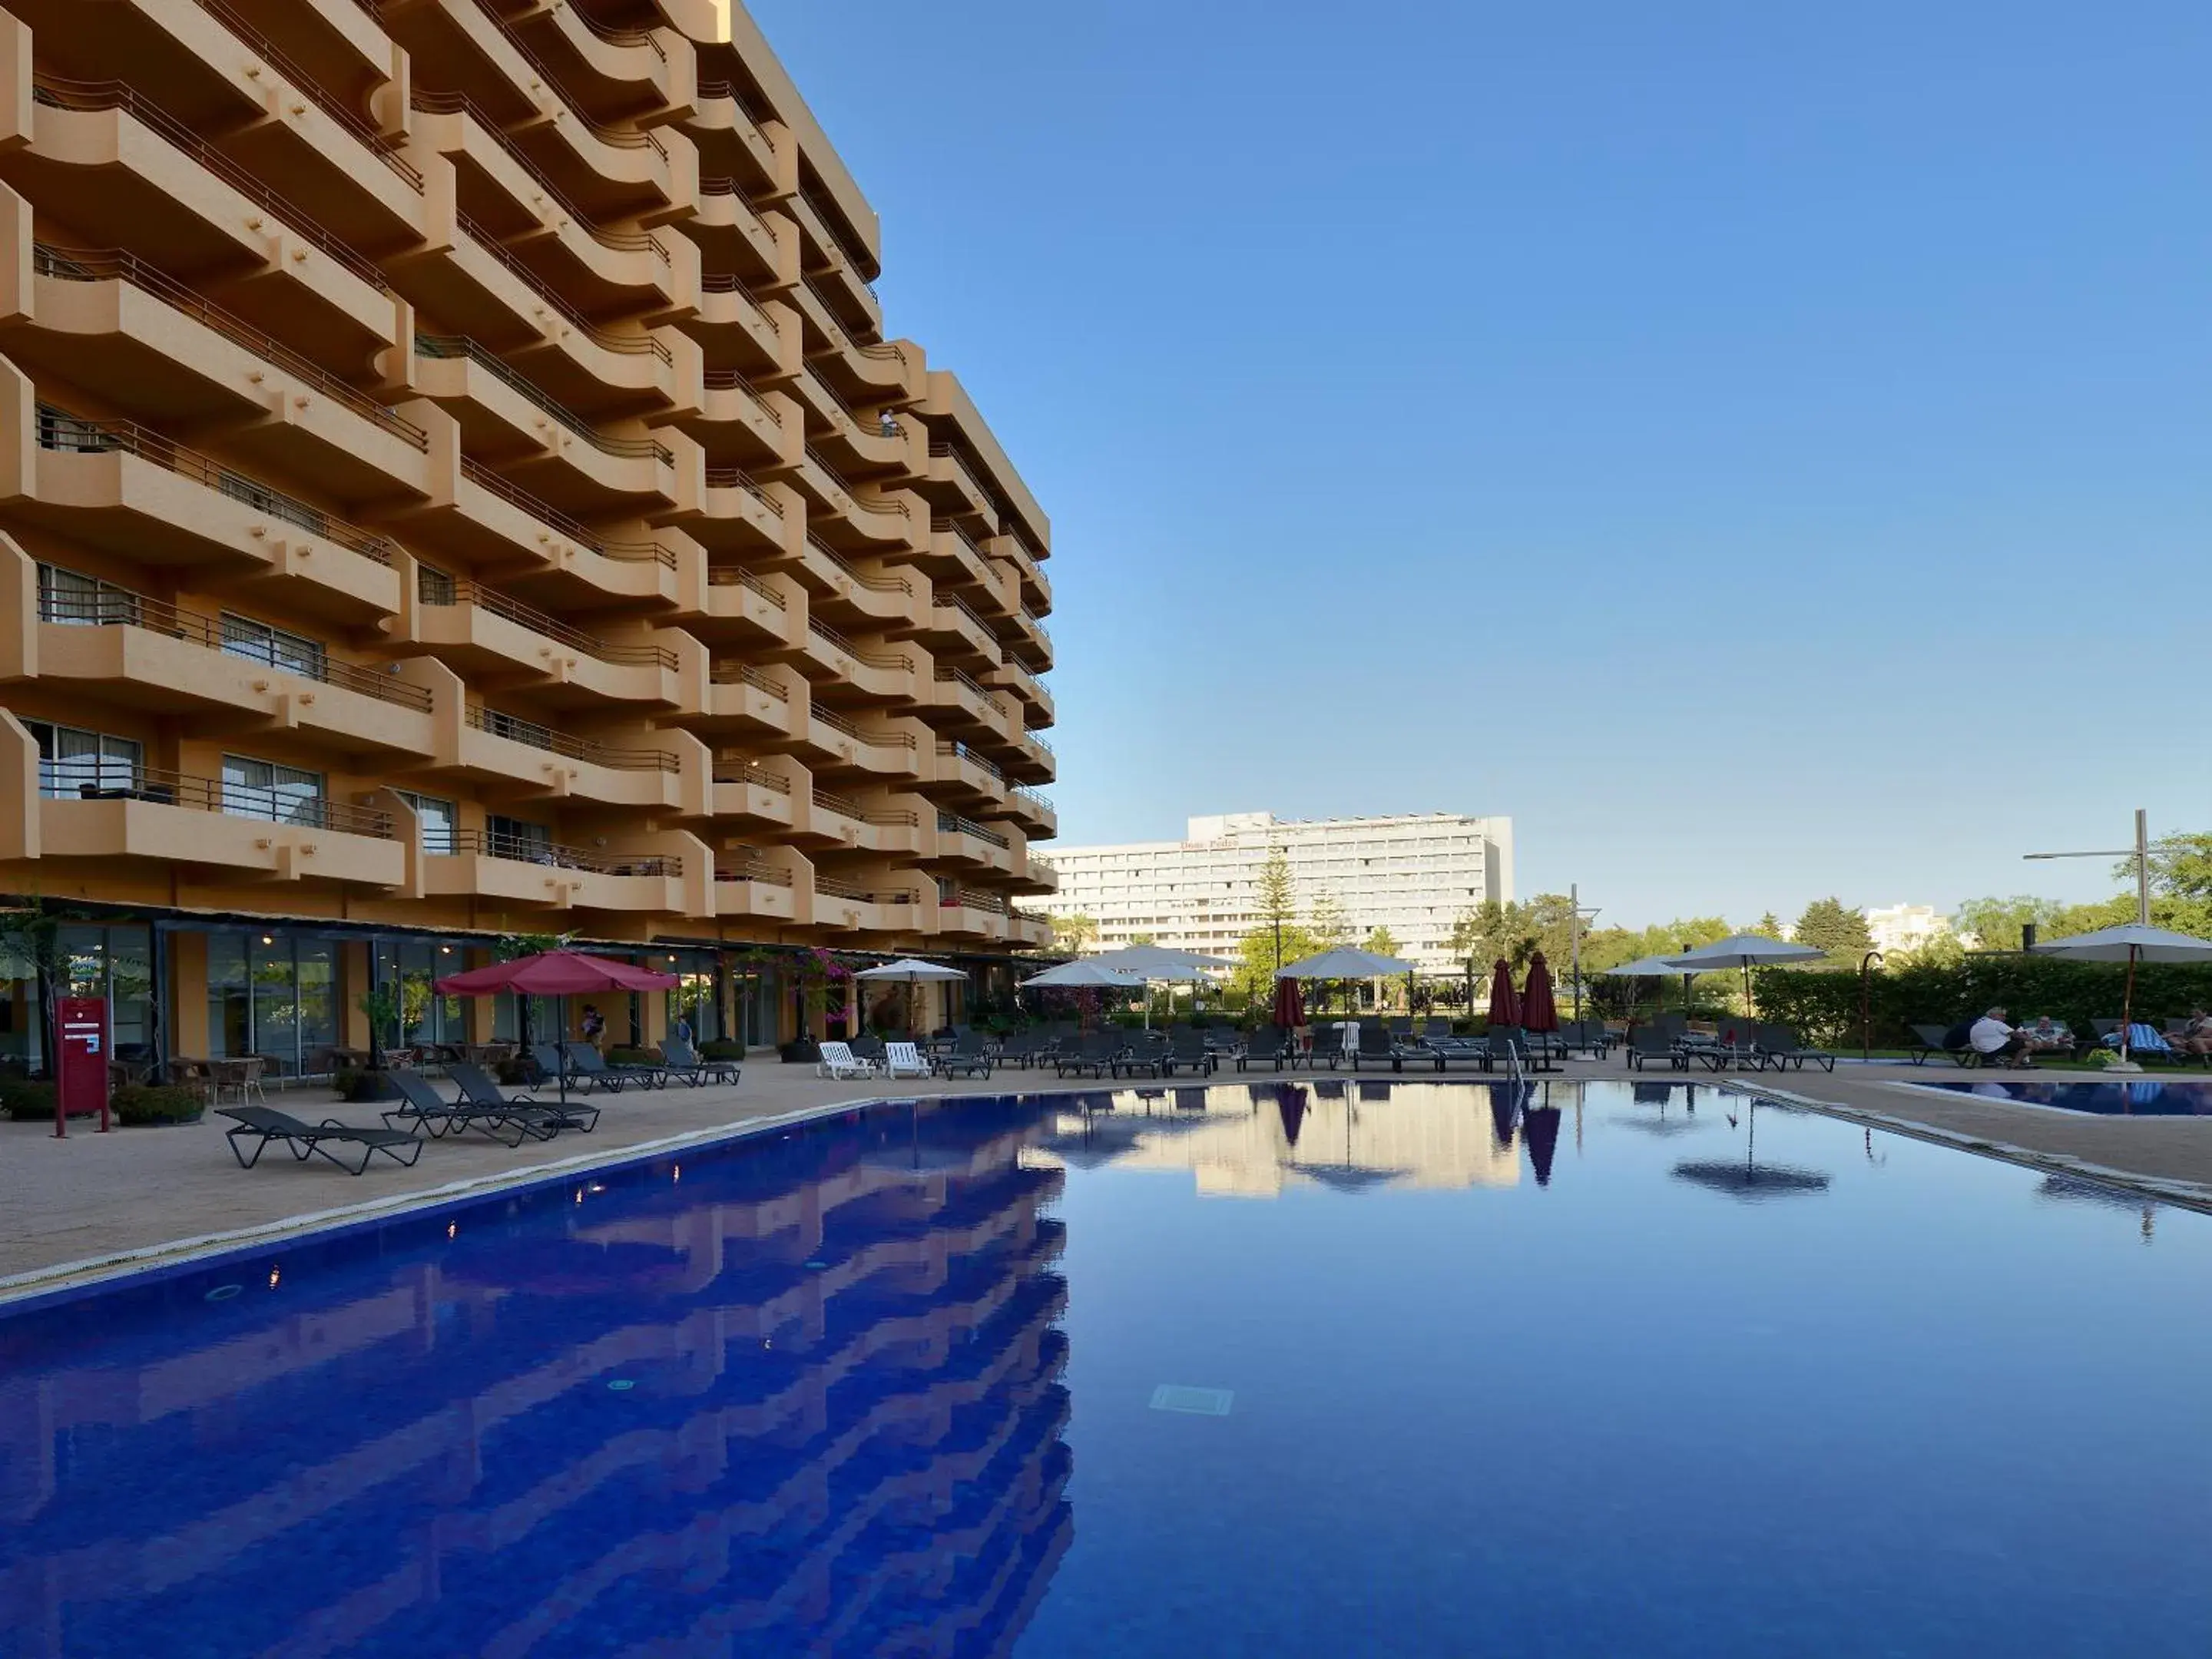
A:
<point x="505" y="1121"/>
<point x="839" y="1061"/>
<point x="680" y="1058"/>
<point x="263" y="1124"/>
<point x="1186" y="1048"/>
<point x="969" y="1056"/>
<point x="1778" y="1047"/>
<point x="1266" y="1044"/>
<point x="1144" y="1057"/>
<point x="904" y="1060"/>
<point x="1937" y="1040"/>
<point x="479" y="1090"/>
<point x="586" y="1061"/>
<point x="1094" y="1054"/>
<point x="1649" y="1043"/>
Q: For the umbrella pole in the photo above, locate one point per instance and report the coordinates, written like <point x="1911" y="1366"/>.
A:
<point x="2128" y="1004"/>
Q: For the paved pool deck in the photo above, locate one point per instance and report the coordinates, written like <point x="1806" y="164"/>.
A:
<point x="94" y="1205"/>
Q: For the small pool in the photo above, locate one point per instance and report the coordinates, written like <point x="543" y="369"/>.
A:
<point x="2147" y="1096"/>
<point x="1343" y="1368"/>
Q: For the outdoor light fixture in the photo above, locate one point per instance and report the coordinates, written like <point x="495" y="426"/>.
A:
<point x="266" y="939"/>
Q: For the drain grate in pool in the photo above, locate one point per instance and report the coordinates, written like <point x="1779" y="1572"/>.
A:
<point x="1194" y="1402"/>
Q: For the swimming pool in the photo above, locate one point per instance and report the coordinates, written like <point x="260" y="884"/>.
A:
<point x="1346" y="1368"/>
<point x="2142" y="1096"/>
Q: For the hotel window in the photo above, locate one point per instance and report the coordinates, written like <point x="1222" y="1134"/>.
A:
<point x="263" y="789"/>
<point x="73" y="763"/>
<point x="518" y="839"/>
<point x="438" y="820"/>
<point x="65" y="596"/>
<point x="258" y="642"/>
<point x="274" y="994"/>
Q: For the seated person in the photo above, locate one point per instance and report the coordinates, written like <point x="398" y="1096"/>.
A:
<point x="2195" y="1036"/>
<point x="1993" y="1038"/>
<point x="2141" y="1040"/>
<point x="2047" y="1035"/>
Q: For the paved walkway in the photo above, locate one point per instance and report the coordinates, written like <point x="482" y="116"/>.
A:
<point x="107" y="1202"/>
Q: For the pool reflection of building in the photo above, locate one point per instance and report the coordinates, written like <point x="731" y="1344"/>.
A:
<point x="1256" y="1140"/>
<point x="802" y="1400"/>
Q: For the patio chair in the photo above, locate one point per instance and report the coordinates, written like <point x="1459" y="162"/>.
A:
<point x="839" y="1061"/>
<point x="1507" y="1043"/>
<point x="1937" y="1039"/>
<point x="1094" y="1054"/>
<point x="1142" y="1058"/>
<point x="1266" y="1044"/>
<point x="479" y="1090"/>
<point x="679" y="1058"/>
<point x="1024" y="1050"/>
<point x="904" y="1060"/>
<point x="1401" y="1025"/>
<point x="1781" y="1049"/>
<point x="1405" y="1046"/>
<point x="969" y="1056"/>
<point x="585" y="1062"/>
<point x="1649" y="1043"/>
<point x="263" y="1124"/>
<point x="1186" y="1048"/>
<point x="430" y="1110"/>
<point x="1325" y="1047"/>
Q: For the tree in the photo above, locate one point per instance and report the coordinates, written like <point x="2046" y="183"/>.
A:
<point x="1830" y="926"/>
<point x="1275" y="895"/>
<point x="1379" y="940"/>
<point x="1330" y="925"/>
<point x="1768" y="926"/>
<point x="1516" y="931"/>
<point x="1254" y="973"/>
<point x="1072" y="934"/>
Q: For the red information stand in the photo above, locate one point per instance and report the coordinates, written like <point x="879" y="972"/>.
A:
<point x="81" y="1067"/>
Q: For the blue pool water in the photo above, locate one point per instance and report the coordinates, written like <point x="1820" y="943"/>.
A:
<point x="2144" y="1097"/>
<point x="1347" y="1368"/>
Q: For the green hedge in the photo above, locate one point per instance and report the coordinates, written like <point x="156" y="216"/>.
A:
<point x="721" y="1048"/>
<point x="1824" y="1007"/>
<point x="143" y="1103"/>
<point x="26" y="1103"/>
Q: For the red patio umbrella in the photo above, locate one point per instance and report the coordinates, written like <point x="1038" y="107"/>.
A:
<point x="1539" y="1012"/>
<point x="1504" y="1001"/>
<point x="555" y="974"/>
<point x="1289" y="1003"/>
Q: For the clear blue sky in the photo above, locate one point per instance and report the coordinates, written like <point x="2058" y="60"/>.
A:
<point x="1690" y="428"/>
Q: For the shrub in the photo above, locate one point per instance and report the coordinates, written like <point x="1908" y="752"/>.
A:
<point x="25" y="1101"/>
<point x="721" y="1048"/>
<point x="1824" y="1007"/>
<point x="143" y="1103"/>
<point x="631" y="1057"/>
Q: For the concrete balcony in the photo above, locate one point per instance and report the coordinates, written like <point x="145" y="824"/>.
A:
<point x="954" y="701"/>
<point x="867" y="369"/>
<point x="170" y="818"/>
<point x="858" y="443"/>
<point x="745" y="610"/>
<point x="612" y="71"/>
<point x="736" y="238"/>
<point x="1027" y="639"/>
<point x="742" y="423"/>
<point x="733" y="145"/>
<point x="1028" y="932"/>
<point x="883" y="522"/>
<point x="845" y="673"/>
<point x="835" y="746"/>
<point x="839" y="273"/>
<point x="876" y="600"/>
<point x="117" y="485"/>
<point x="1038" y="707"/>
<point x="757" y="799"/>
<point x="955" y="558"/>
<point x="125" y="648"/>
<point x="524" y="758"/>
<point x="844" y="904"/>
<point x="748" y="885"/>
<point x="135" y="177"/>
<point x="1031" y="760"/>
<point x="497" y="639"/>
<point x="957" y="636"/>
<point x="742" y="335"/>
<point x="1035" y="588"/>
<point x="959" y="773"/>
<point x="961" y="843"/>
<point x="738" y="514"/>
<point x="745" y="700"/>
<point x="115" y="326"/>
<point x="954" y="489"/>
<point x="967" y="914"/>
<point x="503" y="869"/>
<point x="843" y="823"/>
<point x="1034" y="812"/>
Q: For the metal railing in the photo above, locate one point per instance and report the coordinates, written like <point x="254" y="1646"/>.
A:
<point x="744" y="673"/>
<point x="837" y="887"/>
<point x="843" y="806"/>
<point x="460" y="103"/>
<point x="554" y="519"/>
<point x="721" y="184"/>
<point x="837" y="722"/>
<point x="452" y="347"/>
<point x="736" y="478"/>
<point x="882" y="424"/>
<point x="351" y="120"/>
<point x="528" y="849"/>
<point x="852" y="573"/>
<point x="93" y="95"/>
<point x="951" y="823"/>
<point x="981" y="762"/>
<point x="863" y="262"/>
<point x="895" y="663"/>
<point x="942" y="451"/>
<point x="631" y="344"/>
<point x="67" y="434"/>
<point x="967" y="898"/>
<point x="118" y="607"/>
<point x="954" y="602"/>
<point x="1035" y="799"/>
<point x="618" y="36"/>
<point x="949" y="676"/>
<point x="113" y="264"/>
<point x="740" y="868"/>
<point x="731" y="575"/>
<point x="62" y="779"/>
<point x="730" y="769"/>
<point x="433" y="587"/>
<point x="728" y="379"/>
<point x="841" y="486"/>
<point x="515" y="729"/>
<point x="614" y="136"/>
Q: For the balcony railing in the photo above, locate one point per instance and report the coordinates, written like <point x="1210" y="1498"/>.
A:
<point x="515" y="729"/>
<point x="456" y="346"/>
<point x="729" y="769"/>
<point x="981" y="762"/>
<point x="838" y="723"/>
<point x="345" y="114"/>
<point x="860" y="259"/>
<point x="953" y="601"/>
<point x="1035" y="799"/>
<point x="894" y="663"/>
<point x="86" y="95"/>
<point x="949" y="823"/>
<point x="838" y="482"/>
<point x="846" y="890"/>
<point x="74" y="434"/>
<point x="738" y="866"/>
<point x="843" y="806"/>
<point x="112" y="265"/>
<point x="854" y="573"/>
<point x="631" y="344"/>
<point x="881" y="351"/>
<point x="959" y="533"/>
<point x="736" y="478"/>
<point x="744" y="673"/>
<point x="723" y="184"/>
<point x="731" y="575"/>
<point x="728" y="379"/>
<point x="528" y="849"/>
<point x="435" y="587"/>
<point x="881" y="424"/>
<point x="553" y="519"/>
<point x="954" y="676"/>
<point x="968" y="898"/>
<point x="619" y="138"/>
<point x="617" y="37"/>
<point x="942" y="451"/>
<point x="116" y="607"/>
<point x="63" y="779"/>
<point x="623" y="241"/>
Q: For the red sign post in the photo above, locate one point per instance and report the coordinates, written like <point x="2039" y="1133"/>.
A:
<point x="81" y="1067"/>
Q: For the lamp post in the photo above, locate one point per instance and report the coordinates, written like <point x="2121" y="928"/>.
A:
<point x="1866" y="1003"/>
<point x="1576" y="913"/>
<point x="2141" y="854"/>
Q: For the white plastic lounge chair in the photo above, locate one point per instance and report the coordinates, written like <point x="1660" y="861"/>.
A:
<point x="904" y="1060"/>
<point x="839" y="1061"/>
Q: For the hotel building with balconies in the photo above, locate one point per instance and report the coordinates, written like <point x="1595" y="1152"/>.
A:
<point x="455" y="483"/>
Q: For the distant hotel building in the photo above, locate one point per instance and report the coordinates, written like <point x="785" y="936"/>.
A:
<point x="1907" y="928"/>
<point x="1414" y="875"/>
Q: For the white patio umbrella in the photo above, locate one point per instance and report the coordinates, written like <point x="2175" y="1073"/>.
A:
<point x="1746" y="951"/>
<point x="910" y="972"/>
<point x="1156" y="965"/>
<point x="1086" y="971"/>
<point x="1350" y="961"/>
<point x="2131" y="943"/>
<point x="1656" y="968"/>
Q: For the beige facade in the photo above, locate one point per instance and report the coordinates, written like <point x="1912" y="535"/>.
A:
<point x="456" y="481"/>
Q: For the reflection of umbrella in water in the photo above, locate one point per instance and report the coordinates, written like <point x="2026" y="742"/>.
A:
<point x="1291" y="1102"/>
<point x="1662" y="1095"/>
<point x="1751" y="1181"/>
<point x="1539" y="1132"/>
<point x="1348" y="1177"/>
<point x="1106" y="1135"/>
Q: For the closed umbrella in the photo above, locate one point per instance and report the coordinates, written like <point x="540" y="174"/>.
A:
<point x="1746" y="951"/>
<point x="2131" y="943"/>
<point x="1504" y="1001"/>
<point x="1540" y="1010"/>
<point x="554" y="972"/>
<point x="1289" y="1003"/>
